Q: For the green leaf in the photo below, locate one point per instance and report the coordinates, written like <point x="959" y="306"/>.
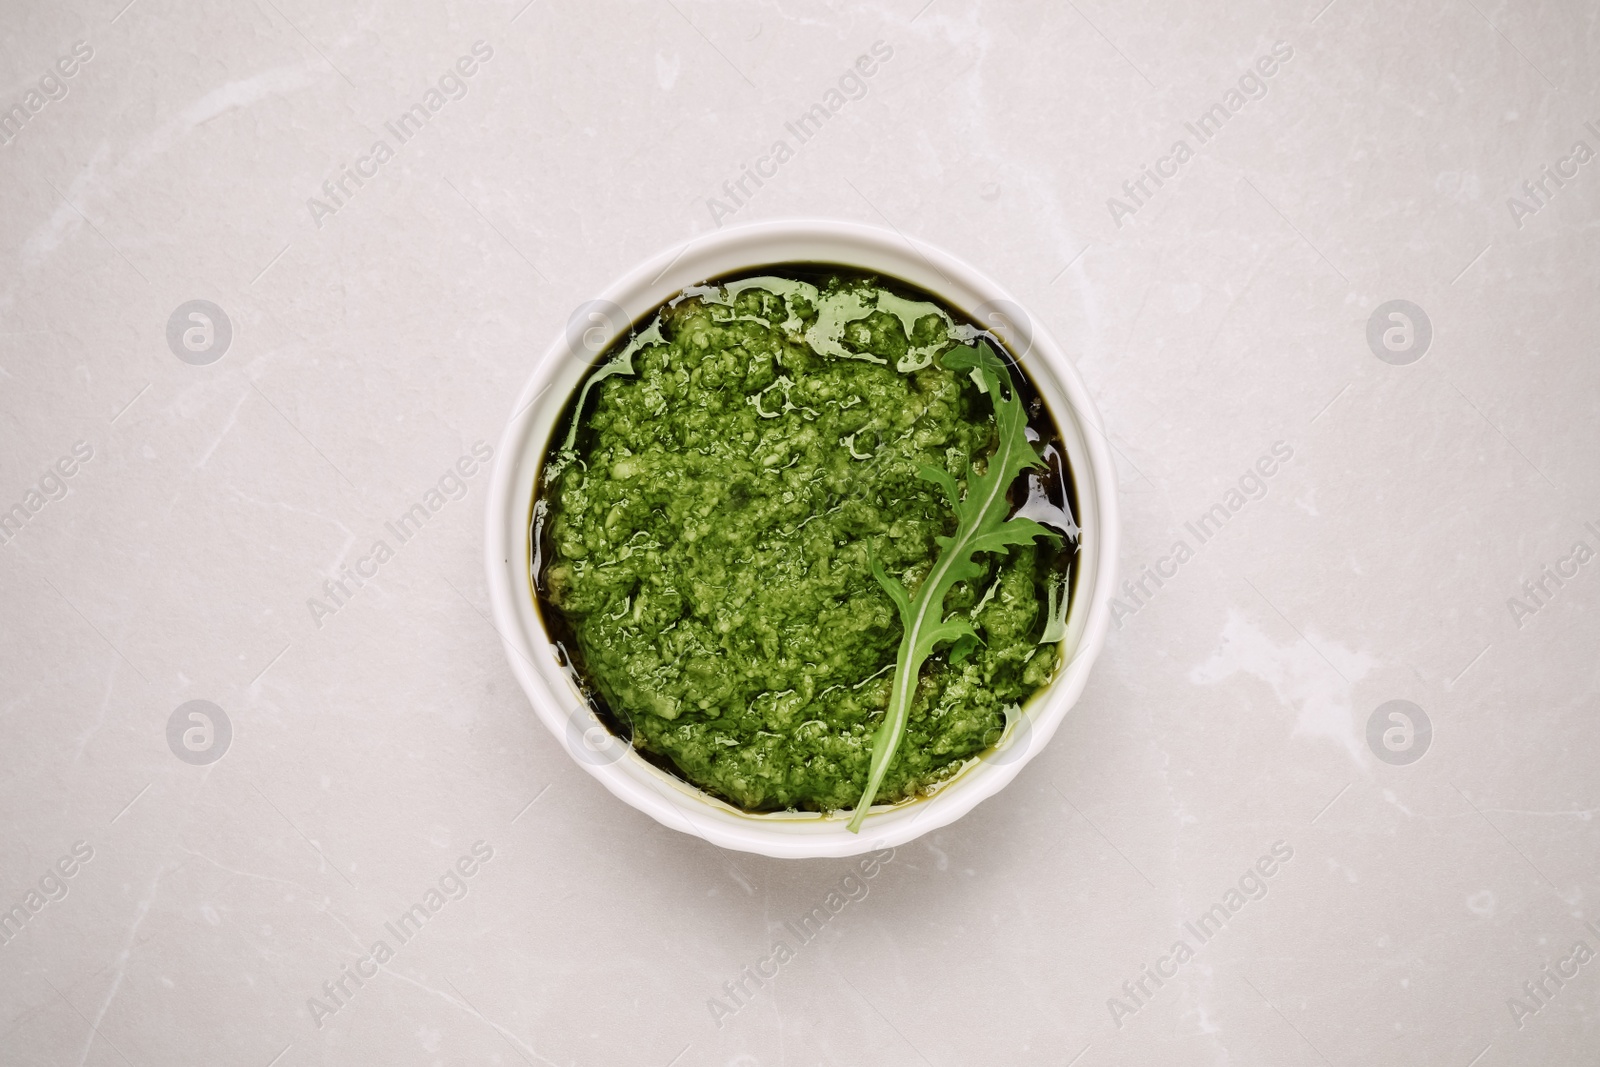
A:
<point x="896" y="591"/>
<point x="964" y="646"/>
<point x="981" y="526"/>
<point x="942" y="479"/>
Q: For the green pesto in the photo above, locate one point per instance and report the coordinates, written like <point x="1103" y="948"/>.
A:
<point x="709" y="529"/>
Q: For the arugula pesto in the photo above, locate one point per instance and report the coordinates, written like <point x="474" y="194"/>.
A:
<point x="762" y="499"/>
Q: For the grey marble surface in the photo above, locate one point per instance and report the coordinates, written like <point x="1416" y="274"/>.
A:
<point x="377" y="332"/>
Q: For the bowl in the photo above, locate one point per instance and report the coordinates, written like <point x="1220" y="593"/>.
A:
<point x="590" y="331"/>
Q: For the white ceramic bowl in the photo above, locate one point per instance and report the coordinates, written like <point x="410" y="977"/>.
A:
<point x="592" y="329"/>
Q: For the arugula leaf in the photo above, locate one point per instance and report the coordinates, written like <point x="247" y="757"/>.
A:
<point x="982" y="526"/>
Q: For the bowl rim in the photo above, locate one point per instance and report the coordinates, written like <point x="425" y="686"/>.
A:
<point x="525" y="439"/>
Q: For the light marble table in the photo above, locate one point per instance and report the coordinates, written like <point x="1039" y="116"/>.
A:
<point x="371" y="312"/>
